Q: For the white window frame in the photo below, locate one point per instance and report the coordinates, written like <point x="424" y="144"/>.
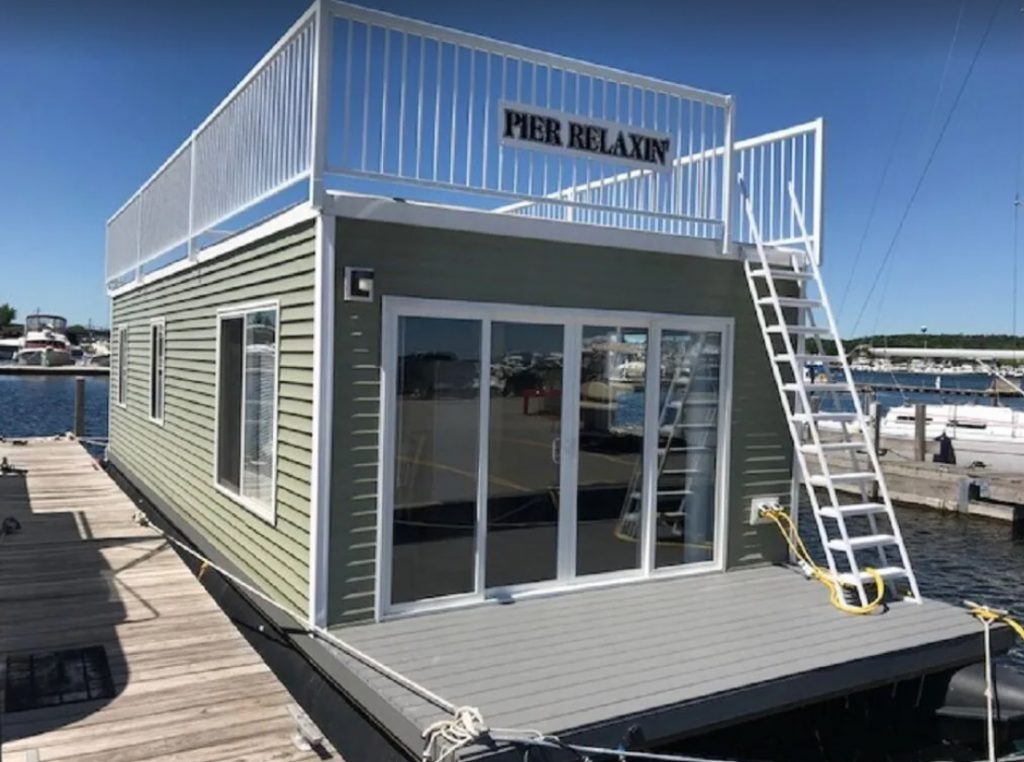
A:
<point x="121" y="400"/>
<point x="573" y="320"/>
<point x="263" y="511"/>
<point x="158" y="325"/>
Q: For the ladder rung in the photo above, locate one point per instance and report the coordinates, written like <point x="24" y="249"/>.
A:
<point x="665" y="493"/>
<point x="886" y="572"/>
<point x="782" y="274"/>
<point x="829" y="416"/>
<point x="806" y="329"/>
<point x="680" y="471"/>
<point x="791" y="301"/>
<point x="864" y="541"/>
<point x="817" y="387"/>
<point x="852" y="509"/>
<point x="831" y="447"/>
<point x="809" y="359"/>
<point x="820" y="480"/>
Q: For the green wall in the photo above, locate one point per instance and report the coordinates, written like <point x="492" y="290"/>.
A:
<point x="444" y="264"/>
<point x="174" y="462"/>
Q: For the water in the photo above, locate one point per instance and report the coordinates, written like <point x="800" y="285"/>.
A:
<point x="35" y="406"/>
<point x="963" y="381"/>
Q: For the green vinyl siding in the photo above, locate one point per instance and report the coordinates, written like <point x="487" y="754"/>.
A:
<point x="444" y="264"/>
<point x="175" y="462"/>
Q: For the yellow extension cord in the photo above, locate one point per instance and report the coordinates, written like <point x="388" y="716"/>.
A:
<point x="782" y="520"/>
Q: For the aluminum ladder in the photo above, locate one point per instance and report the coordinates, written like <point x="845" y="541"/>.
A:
<point x="670" y="421"/>
<point x="796" y="328"/>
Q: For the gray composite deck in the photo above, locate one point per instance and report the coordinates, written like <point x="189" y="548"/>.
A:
<point x="674" y="656"/>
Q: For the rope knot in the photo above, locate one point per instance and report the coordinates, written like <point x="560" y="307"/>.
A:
<point x="445" y="737"/>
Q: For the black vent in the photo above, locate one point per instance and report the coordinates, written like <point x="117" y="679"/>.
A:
<point x="35" y="681"/>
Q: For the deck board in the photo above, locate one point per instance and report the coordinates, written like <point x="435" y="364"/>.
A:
<point x="80" y="572"/>
<point x="690" y="652"/>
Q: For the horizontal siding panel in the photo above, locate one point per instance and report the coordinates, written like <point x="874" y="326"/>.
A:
<point x="175" y="461"/>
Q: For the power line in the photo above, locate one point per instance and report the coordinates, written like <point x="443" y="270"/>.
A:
<point x="892" y="156"/>
<point x="928" y="163"/>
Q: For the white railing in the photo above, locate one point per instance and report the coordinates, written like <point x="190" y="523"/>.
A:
<point x="425" y="106"/>
<point x="768" y="164"/>
<point x="378" y="103"/>
<point x="255" y="143"/>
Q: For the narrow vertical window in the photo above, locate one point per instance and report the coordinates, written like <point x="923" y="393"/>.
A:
<point x="246" y="406"/>
<point x="156" y="371"/>
<point x="122" y="366"/>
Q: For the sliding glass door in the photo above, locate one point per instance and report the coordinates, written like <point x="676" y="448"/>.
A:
<point x="524" y="453"/>
<point x="530" y="449"/>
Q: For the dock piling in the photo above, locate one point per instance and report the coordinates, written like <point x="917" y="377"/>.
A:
<point x="79" y="427"/>
<point x="920" y="411"/>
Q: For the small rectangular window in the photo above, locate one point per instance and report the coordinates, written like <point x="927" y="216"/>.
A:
<point x="156" y="370"/>
<point x="247" y="406"/>
<point x="122" y="365"/>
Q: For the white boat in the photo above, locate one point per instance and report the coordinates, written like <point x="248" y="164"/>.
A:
<point x="979" y="433"/>
<point x="44" y="343"/>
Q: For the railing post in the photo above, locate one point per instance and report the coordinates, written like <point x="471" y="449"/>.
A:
<point x="728" y="174"/>
<point x="192" y="253"/>
<point x="138" y="238"/>
<point x="819" y="186"/>
<point x="322" y="56"/>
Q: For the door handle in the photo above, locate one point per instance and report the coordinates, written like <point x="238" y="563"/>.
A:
<point x="556" y="450"/>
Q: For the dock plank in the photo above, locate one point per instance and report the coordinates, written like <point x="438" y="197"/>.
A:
<point x="81" y="572"/>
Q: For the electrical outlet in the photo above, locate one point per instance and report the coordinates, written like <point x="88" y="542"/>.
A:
<point x="757" y="504"/>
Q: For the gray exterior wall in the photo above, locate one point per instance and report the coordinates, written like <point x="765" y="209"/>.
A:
<point x="444" y="264"/>
<point x="174" y="462"/>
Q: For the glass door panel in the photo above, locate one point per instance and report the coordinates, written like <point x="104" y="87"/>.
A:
<point x="524" y="444"/>
<point x="687" y="446"/>
<point x="610" y="459"/>
<point x="437" y="422"/>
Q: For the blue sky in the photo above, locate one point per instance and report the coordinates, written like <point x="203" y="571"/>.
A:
<point x="93" y="97"/>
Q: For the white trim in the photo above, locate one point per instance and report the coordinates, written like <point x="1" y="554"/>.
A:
<point x="161" y="323"/>
<point x="395" y="307"/>
<point x="323" y="419"/>
<point x="121" y="399"/>
<point x="265" y="512"/>
<point x="268" y="227"/>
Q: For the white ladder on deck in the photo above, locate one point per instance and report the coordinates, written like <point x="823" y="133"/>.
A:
<point x="844" y="528"/>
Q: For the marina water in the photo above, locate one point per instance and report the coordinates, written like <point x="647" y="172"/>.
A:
<point x="955" y="557"/>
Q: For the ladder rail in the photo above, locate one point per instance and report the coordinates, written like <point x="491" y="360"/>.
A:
<point x="858" y="408"/>
<point x="883" y="557"/>
<point x="800" y="399"/>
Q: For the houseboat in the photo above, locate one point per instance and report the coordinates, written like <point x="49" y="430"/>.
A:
<point x="488" y="417"/>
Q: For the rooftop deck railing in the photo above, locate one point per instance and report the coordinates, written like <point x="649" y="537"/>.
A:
<point x="368" y="101"/>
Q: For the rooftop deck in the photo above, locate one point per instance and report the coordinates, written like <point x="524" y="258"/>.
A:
<point x="676" y="656"/>
<point x="80" y="573"/>
<point x="368" y="102"/>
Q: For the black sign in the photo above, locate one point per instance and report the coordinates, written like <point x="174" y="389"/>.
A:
<point x="528" y="127"/>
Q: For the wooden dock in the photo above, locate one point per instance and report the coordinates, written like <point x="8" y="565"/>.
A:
<point x="79" y="573"/>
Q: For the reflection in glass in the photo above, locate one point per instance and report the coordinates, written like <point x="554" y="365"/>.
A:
<point x="437" y="420"/>
<point x="611" y="449"/>
<point x="260" y="390"/>
<point x="688" y="441"/>
<point x="523" y="453"/>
